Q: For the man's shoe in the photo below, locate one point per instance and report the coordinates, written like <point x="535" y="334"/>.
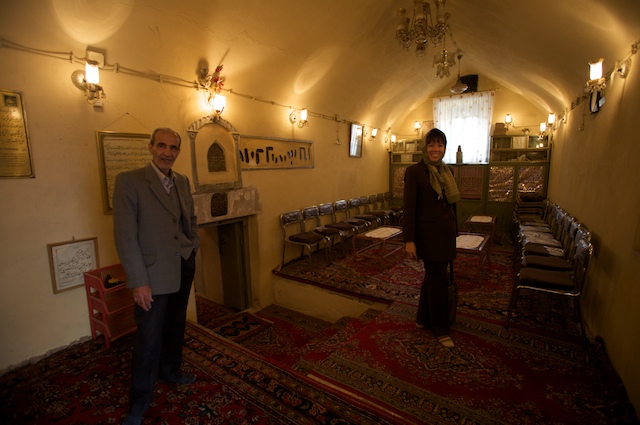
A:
<point x="132" y="420"/>
<point x="181" y="378"/>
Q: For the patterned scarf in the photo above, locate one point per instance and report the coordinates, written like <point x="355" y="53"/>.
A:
<point x="442" y="180"/>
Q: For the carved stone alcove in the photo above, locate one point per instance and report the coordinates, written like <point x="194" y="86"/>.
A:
<point x="214" y="158"/>
<point x="223" y="207"/>
<point x="219" y="194"/>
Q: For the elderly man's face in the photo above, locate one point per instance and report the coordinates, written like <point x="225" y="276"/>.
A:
<point x="164" y="150"/>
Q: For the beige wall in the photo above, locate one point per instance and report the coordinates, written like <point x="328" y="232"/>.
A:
<point x="594" y="176"/>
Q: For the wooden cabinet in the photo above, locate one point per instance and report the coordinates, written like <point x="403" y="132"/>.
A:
<point x="523" y="148"/>
<point x="110" y="308"/>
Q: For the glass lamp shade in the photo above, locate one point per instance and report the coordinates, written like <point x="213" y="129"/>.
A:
<point x="92" y="72"/>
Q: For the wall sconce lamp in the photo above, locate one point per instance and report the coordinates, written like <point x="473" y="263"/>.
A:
<point x="393" y="138"/>
<point x="551" y="121"/>
<point x="89" y="79"/>
<point x="596" y="82"/>
<point x="213" y="83"/>
<point x="543" y="130"/>
<point x="300" y="117"/>
<point x="508" y="120"/>
<point x="417" y="127"/>
<point x="374" y="133"/>
<point x="217" y="103"/>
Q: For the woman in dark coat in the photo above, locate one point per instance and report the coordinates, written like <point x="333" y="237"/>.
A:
<point x="430" y="230"/>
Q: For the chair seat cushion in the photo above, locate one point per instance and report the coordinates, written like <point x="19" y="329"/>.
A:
<point x="368" y="217"/>
<point x="540" y="249"/>
<point x="342" y="226"/>
<point x="358" y="222"/>
<point x="546" y="279"/>
<point x="327" y="231"/>
<point x="534" y="228"/>
<point x="306" y="237"/>
<point x="540" y="238"/>
<point x="546" y="262"/>
<point x="380" y="214"/>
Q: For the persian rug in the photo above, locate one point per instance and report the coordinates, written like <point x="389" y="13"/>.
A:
<point x="209" y="313"/>
<point x="491" y="376"/>
<point x="89" y="384"/>
<point x="485" y="295"/>
<point x="289" y="333"/>
<point x="239" y="326"/>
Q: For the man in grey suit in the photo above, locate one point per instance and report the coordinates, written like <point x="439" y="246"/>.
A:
<point x="156" y="236"/>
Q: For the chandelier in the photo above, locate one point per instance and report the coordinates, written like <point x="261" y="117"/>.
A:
<point x="442" y="63"/>
<point x="422" y="29"/>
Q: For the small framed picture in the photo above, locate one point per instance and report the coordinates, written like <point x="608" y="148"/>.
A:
<point x="69" y="260"/>
<point x="355" y="141"/>
<point x="398" y="146"/>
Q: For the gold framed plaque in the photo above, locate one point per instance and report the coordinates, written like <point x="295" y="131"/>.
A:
<point x="15" y="146"/>
<point x="119" y="152"/>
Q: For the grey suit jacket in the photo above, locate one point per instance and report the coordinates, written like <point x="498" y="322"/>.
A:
<point x="147" y="232"/>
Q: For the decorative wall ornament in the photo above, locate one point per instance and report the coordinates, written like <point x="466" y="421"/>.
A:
<point x="266" y="153"/>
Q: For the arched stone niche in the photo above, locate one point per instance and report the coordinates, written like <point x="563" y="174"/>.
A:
<point x="214" y="155"/>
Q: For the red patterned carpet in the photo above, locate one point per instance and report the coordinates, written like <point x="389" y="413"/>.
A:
<point x="277" y="366"/>
<point x="88" y="384"/>
<point x="483" y="295"/>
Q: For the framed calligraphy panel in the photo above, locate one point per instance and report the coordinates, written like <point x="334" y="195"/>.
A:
<point x="119" y="152"/>
<point x="267" y="153"/>
<point x="15" y="146"/>
<point x="69" y="261"/>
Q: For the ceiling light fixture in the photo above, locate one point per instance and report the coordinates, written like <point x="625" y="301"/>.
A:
<point x="422" y="29"/>
<point x="459" y="87"/>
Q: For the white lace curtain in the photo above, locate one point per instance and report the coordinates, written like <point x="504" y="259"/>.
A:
<point x="466" y="121"/>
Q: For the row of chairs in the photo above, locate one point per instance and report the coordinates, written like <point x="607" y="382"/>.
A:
<point x="335" y="222"/>
<point x="552" y="251"/>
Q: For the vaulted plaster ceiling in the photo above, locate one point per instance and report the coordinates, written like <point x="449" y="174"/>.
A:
<point x="341" y="57"/>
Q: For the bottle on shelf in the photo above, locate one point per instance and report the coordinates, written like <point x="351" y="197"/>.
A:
<point x="459" y="155"/>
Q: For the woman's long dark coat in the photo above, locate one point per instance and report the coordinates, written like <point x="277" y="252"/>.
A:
<point x="429" y="222"/>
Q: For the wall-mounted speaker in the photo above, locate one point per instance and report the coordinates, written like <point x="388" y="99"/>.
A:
<point x="471" y="81"/>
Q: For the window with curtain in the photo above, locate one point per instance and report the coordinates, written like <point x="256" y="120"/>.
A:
<point x="466" y="121"/>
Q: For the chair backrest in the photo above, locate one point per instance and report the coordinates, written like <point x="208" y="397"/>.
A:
<point x="326" y="209"/>
<point x="566" y="238"/>
<point x="556" y="225"/>
<point x="374" y="204"/>
<point x="291" y="218"/>
<point x="364" y="204"/>
<point x="312" y="213"/>
<point x="353" y="207"/>
<point x="582" y="259"/>
<point x="340" y="210"/>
